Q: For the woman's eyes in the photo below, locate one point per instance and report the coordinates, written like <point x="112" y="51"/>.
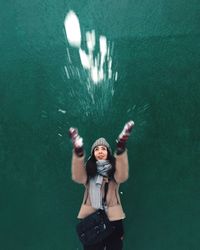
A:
<point x="102" y="148"/>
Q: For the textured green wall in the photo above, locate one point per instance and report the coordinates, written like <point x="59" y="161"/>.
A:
<point x="157" y="56"/>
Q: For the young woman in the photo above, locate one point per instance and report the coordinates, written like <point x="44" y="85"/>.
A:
<point x="101" y="170"/>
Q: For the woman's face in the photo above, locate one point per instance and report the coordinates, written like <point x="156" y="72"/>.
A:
<point x="100" y="153"/>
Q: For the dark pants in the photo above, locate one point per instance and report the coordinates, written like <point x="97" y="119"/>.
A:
<point x="113" y="242"/>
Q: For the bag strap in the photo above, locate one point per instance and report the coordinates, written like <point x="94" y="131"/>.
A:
<point x="105" y="194"/>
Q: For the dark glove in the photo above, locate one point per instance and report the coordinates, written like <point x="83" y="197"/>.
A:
<point x="123" y="137"/>
<point x="77" y="141"/>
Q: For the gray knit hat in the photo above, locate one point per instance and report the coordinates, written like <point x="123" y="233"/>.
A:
<point x="101" y="142"/>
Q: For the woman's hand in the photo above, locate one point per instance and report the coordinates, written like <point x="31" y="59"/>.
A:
<point x="123" y="137"/>
<point x="77" y="141"/>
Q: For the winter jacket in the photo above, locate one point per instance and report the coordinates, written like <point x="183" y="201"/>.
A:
<point x="114" y="207"/>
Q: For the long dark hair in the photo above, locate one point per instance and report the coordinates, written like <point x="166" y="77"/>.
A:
<point x="91" y="166"/>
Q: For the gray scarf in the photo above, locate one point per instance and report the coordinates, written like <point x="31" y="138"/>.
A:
<point x="103" y="166"/>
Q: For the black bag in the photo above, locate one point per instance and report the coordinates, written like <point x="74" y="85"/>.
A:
<point x="94" y="228"/>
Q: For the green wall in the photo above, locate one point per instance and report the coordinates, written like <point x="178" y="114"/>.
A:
<point x="157" y="56"/>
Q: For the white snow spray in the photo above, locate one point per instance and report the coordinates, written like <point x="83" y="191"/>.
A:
<point x="95" y="72"/>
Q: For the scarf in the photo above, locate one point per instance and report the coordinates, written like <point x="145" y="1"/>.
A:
<point x="95" y="183"/>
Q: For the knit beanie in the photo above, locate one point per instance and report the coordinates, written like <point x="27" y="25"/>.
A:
<point x="101" y="142"/>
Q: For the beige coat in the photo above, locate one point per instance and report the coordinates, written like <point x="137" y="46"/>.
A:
<point x="115" y="210"/>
